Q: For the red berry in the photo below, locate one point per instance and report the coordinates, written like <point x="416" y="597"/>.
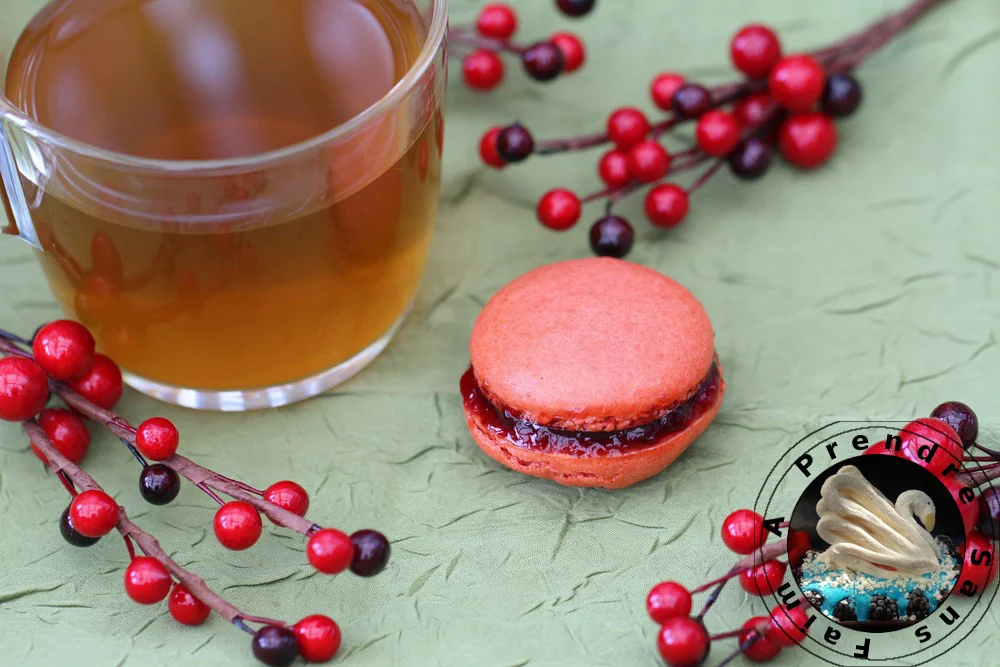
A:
<point x="755" y="49"/>
<point x="648" y="161"/>
<point x="102" y="384"/>
<point x="613" y="169"/>
<point x="968" y="506"/>
<point x="627" y="127"/>
<point x="497" y="21"/>
<point x="482" y="69"/>
<point x="807" y="139"/>
<point x="24" y="389"/>
<point x="763" y="579"/>
<point x="64" y="349"/>
<point x="157" y="439"/>
<point x="980" y="565"/>
<point x="146" y="580"/>
<point x="289" y="495"/>
<point x="667" y="600"/>
<point x="330" y="551"/>
<point x="488" y="149"/>
<point x="799" y="545"/>
<point x="762" y="650"/>
<point x="186" y="608"/>
<point x="797" y="82"/>
<point x="667" y="205"/>
<point x="683" y="642"/>
<point x="573" y="50"/>
<point x="237" y="525"/>
<point x="788" y="626"/>
<point x="318" y="637"/>
<point x="559" y="209"/>
<point x="663" y="88"/>
<point x="743" y="531"/>
<point x="717" y="133"/>
<point x="753" y="110"/>
<point x="67" y="432"/>
<point x="93" y="513"/>
<point x="934" y="439"/>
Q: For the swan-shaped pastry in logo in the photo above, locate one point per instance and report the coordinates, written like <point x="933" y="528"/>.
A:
<point x="869" y="534"/>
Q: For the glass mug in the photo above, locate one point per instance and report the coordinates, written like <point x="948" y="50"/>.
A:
<point x="242" y="214"/>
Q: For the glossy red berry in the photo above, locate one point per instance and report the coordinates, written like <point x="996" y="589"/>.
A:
<point x="497" y="20"/>
<point x="559" y="209"/>
<point x="64" y="349"/>
<point x="797" y="82"/>
<point x="93" y="513"/>
<point x="648" y="161"/>
<point x="157" y="439"/>
<point x="968" y="506"/>
<point x="237" y="525"/>
<point x="763" y="579"/>
<point x="717" y="133"/>
<point x="929" y="438"/>
<point x="753" y="110"/>
<point x="788" y="626"/>
<point x="330" y="551"/>
<point x="24" y="389"/>
<point x="762" y="649"/>
<point x="667" y="205"/>
<point x="743" y="531"/>
<point x="482" y="69"/>
<point x="66" y="431"/>
<point x="543" y="61"/>
<point x="627" y="127"/>
<point x="807" y="139"/>
<point x="186" y="608"/>
<point x="488" y="148"/>
<point x="613" y="169"/>
<point x="980" y="565"/>
<point x="755" y="49"/>
<point x="288" y="495"/>
<point x="70" y="533"/>
<point x="667" y="600"/>
<point x="573" y="50"/>
<point x="146" y="580"/>
<point x="663" y="88"/>
<point x="102" y="384"/>
<point x="683" y="642"/>
<point x="318" y="637"/>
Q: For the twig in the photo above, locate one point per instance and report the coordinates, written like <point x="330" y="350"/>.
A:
<point x="765" y="553"/>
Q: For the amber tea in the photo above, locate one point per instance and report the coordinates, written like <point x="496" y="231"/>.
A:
<point x="224" y="244"/>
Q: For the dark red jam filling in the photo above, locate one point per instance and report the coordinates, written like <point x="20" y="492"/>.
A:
<point x="528" y="435"/>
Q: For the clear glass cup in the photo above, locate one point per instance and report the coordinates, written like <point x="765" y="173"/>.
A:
<point x="247" y="282"/>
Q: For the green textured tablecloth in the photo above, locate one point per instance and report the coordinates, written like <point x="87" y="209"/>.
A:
<point x="863" y="290"/>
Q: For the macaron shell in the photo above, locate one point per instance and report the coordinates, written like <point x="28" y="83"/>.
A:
<point x="609" y="472"/>
<point x="594" y="344"/>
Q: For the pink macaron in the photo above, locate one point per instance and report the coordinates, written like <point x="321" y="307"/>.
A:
<point x="591" y="372"/>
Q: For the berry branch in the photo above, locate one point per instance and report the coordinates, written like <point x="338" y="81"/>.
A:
<point x="787" y="102"/>
<point x="481" y="46"/>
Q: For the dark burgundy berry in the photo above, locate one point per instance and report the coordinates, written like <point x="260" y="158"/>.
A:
<point x="612" y="236"/>
<point x="989" y="513"/>
<point x="960" y="417"/>
<point x="750" y="160"/>
<point x="544" y="61"/>
<point x="371" y="552"/>
<point x="575" y="8"/>
<point x="842" y="95"/>
<point x="70" y="535"/>
<point x="275" y="646"/>
<point x="692" y="100"/>
<point x="159" y="484"/>
<point x="515" y="144"/>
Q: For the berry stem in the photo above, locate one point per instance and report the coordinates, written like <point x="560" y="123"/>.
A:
<point x="67" y="483"/>
<point x="726" y="635"/>
<point x="478" y="42"/>
<point x="755" y="636"/>
<point x="130" y="547"/>
<point x="132" y="532"/>
<point x="765" y="553"/>
<point x="707" y="174"/>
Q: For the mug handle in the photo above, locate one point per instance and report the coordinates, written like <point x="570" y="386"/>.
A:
<point x="12" y="193"/>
